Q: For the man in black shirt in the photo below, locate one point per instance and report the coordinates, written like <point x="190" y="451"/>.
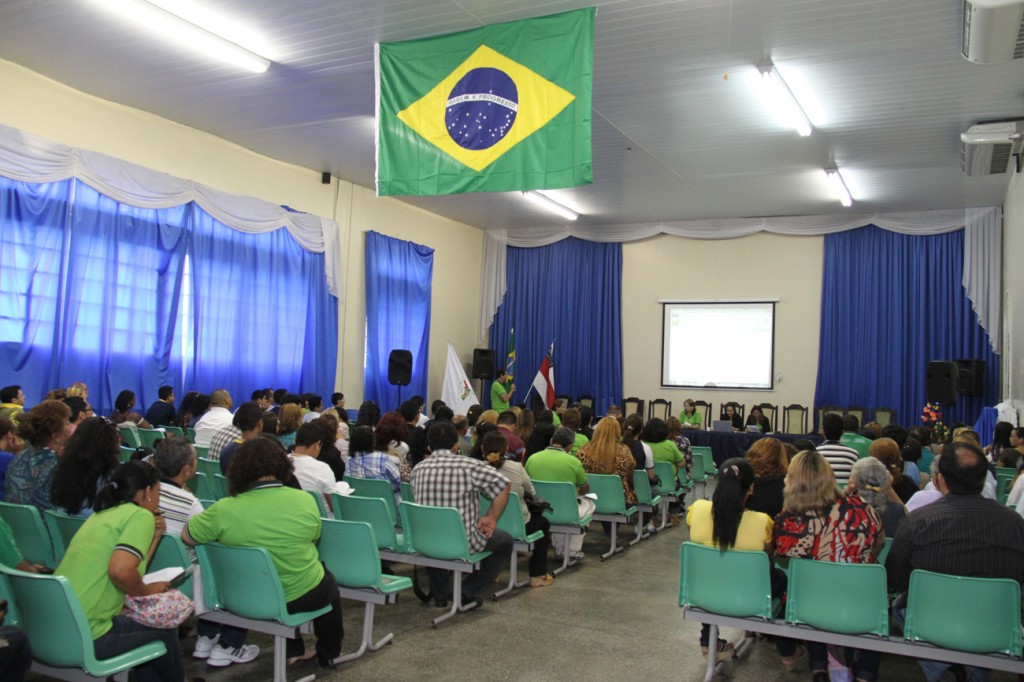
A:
<point x="962" y="534"/>
<point x="162" y="412"/>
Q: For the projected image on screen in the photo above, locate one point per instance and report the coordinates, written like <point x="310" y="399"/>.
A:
<point x="718" y="345"/>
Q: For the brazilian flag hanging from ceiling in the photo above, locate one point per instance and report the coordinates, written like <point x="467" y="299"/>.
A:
<point x="495" y="109"/>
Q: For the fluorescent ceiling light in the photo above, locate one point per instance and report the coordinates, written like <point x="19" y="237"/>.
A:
<point x="835" y="180"/>
<point x="551" y="205"/>
<point x="165" y="21"/>
<point x="782" y="101"/>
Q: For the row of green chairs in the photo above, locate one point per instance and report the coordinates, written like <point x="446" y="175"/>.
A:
<point x="513" y="522"/>
<point x="41" y="538"/>
<point x="736" y="583"/>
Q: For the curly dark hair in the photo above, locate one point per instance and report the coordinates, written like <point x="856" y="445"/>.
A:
<point x="256" y="459"/>
<point x="89" y="456"/>
<point x="43" y="422"/>
<point x="391" y="427"/>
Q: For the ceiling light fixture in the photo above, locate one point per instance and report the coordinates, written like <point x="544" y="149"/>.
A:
<point x="551" y="205"/>
<point x="180" y="30"/>
<point x="782" y="100"/>
<point x="835" y="180"/>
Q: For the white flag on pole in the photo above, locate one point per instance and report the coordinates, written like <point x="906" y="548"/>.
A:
<point x="457" y="392"/>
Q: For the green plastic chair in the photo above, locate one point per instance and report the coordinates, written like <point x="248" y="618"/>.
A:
<point x="13" y="618"/>
<point x="171" y="552"/>
<point x="564" y="514"/>
<point x="220" y="486"/>
<point x="671" y="488"/>
<point x="699" y="474"/>
<point x="407" y="492"/>
<point x="205" y="489"/>
<point x="611" y="508"/>
<point x="880" y="560"/>
<point x="980" y="615"/>
<point x="129" y="435"/>
<point x="190" y="433"/>
<point x="202" y="450"/>
<point x="241" y="584"/>
<point x="175" y="431"/>
<point x="375" y="487"/>
<point x="206" y="503"/>
<point x="62" y="528"/>
<point x="704" y="451"/>
<point x="149" y="437"/>
<point x="438" y="533"/>
<point x="30" y="534"/>
<point x="647" y="502"/>
<point x="374" y="511"/>
<point x="321" y="507"/>
<point x="861" y="607"/>
<point x="62" y="645"/>
<point x="732" y="583"/>
<point x="349" y="551"/>
<point x="210" y="467"/>
<point x="1003" y="488"/>
<point x="513" y="522"/>
<point x="125" y="453"/>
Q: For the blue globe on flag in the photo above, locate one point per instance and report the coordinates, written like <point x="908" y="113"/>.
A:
<point x="481" y="108"/>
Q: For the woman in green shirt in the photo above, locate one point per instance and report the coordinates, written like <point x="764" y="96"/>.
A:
<point x="106" y="561"/>
<point x="689" y="417"/>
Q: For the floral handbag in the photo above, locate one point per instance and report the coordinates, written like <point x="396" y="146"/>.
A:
<point x="164" y="610"/>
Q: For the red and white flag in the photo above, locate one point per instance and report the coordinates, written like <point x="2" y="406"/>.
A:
<point x="544" y="382"/>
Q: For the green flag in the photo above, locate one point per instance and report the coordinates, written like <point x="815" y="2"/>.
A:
<point x="499" y="108"/>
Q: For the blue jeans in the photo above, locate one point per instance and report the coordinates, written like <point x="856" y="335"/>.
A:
<point x="126" y="634"/>
<point x="231" y="637"/>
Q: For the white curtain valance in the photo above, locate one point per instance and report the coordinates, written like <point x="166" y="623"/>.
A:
<point x="982" y="247"/>
<point x="31" y="158"/>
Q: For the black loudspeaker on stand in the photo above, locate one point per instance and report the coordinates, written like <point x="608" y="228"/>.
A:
<point x="483" y="367"/>
<point x="941" y="386"/>
<point x="970" y="377"/>
<point x="400" y="370"/>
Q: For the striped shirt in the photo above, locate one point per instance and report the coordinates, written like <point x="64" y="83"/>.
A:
<point x="840" y="457"/>
<point x="221" y="439"/>
<point x="178" y="505"/>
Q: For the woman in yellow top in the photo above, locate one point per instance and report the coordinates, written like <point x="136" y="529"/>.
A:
<point x="724" y="522"/>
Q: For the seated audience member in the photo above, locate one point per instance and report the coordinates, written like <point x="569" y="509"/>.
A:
<point x="1017" y="441"/>
<point x="911" y="455"/>
<point x="872" y="428"/>
<point x="78" y="390"/>
<point x="965" y="434"/>
<point x="495" y="448"/>
<point x="730" y="414"/>
<point x="586" y="421"/>
<point x="270" y="425"/>
<point x="9" y="444"/>
<point x="872" y="483"/>
<point x="313" y="474"/>
<point x="525" y="422"/>
<point x="961" y="534"/>
<point x="888" y="452"/>
<point x="123" y="405"/>
<point x="690" y="418"/>
<point x="488" y="417"/>
<point x="46" y="429"/>
<point x="338" y="403"/>
<point x="341" y="430"/>
<point x="366" y="462"/>
<point x="818" y="522"/>
<point x="1000" y="441"/>
<point x="12" y="402"/>
<point x="246" y="424"/>
<point x="262" y="512"/>
<point x="1011" y="456"/>
<point x="675" y="434"/>
<point x="389" y="439"/>
<point x="218" y="644"/>
<point x="473" y="414"/>
<point x="840" y="457"/>
<point x="539" y="439"/>
<point x="897" y="433"/>
<point x="368" y="415"/>
<point x="420" y="404"/>
<point x="102" y="564"/>
<point x="315" y="404"/>
<point x="572" y="419"/>
<point x="216" y="418"/>
<point x="851" y="437"/>
<point x="329" y="453"/>
<point x="90" y="456"/>
<point x="415" y="437"/>
<point x="289" y="419"/>
<point x="483" y="429"/>
<point x="757" y="418"/>
<point x="928" y="494"/>
<point x="614" y="411"/>
<point x="769" y="460"/>
<point x="162" y="413"/>
<point x="655" y="435"/>
<point x="643" y="456"/>
<point x="605" y="454"/>
<point x="461" y="425"/>
<point x="264" y="397"/>
<point x="191" y="408"/>
<point x="554" y="463"/>
<point x="726" y="522"/>
<point x="516" y="447"/>
<point x="442" y="413"/>
<point x="446" y="479"/>
<point x="80" y="410"/>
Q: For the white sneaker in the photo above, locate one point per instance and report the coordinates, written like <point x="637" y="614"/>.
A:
<point x="221" y="657"/>
<point x="203" y="646"/>
<point x="575" y="556"/>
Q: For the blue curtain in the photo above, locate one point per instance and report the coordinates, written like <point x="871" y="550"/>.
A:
<point x="123" y="297"/>
<point x="398" y="287"/>
<point x="892" y="303"/>
<point x="569" y="291"/>
<point x="263" y="316"/>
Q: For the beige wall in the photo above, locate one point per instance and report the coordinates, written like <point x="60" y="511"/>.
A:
<point x="44" y="107"/>
<point x="1013" y="297"/>
<point x="762" y="266"/>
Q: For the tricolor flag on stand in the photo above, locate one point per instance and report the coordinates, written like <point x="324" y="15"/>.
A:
<point x="510" y="360"/>
<point x="494" y="109"/>
<point x="544" y="382"/>
<point x="457" y="393"/>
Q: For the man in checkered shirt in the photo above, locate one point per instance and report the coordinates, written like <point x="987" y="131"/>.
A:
<point x="447" y="479"/>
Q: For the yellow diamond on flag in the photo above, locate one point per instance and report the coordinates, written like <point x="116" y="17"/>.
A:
<point x="485" y="107"/>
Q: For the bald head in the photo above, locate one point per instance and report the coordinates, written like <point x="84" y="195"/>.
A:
<point x="221" y="398"/>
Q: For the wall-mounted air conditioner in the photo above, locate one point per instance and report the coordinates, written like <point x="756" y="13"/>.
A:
<point x="993" y="31"/>
<point x="991" y="148"/>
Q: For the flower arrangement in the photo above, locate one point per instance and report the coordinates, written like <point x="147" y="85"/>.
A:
<point x="931" y="416"/>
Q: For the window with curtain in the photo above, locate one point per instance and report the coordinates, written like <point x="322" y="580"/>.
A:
<point x="398" y="287"/>
<point x="125" y="297"/>
<point x="891" y="303"/>
<point x="569" y="292"/>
